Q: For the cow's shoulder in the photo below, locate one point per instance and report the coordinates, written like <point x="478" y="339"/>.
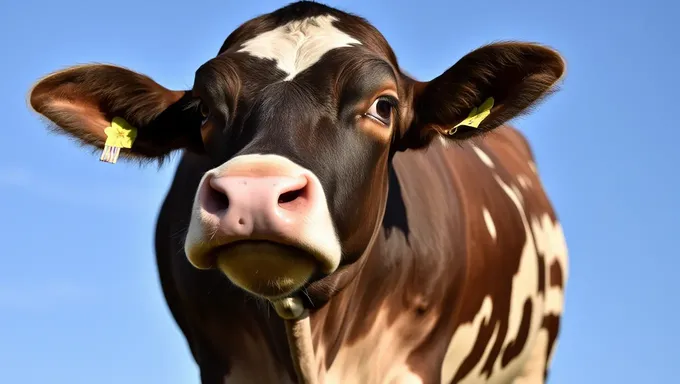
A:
<point x="516" y="261"/>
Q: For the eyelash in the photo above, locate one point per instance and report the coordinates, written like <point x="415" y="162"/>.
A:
<point x="392" y="101"/>
<point x="196" y="104"/>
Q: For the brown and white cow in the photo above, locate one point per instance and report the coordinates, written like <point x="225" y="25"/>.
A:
<point x="316" y="173"/>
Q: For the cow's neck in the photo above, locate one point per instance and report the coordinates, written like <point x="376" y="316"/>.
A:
<point x="297" y="319"/>
<point x="298" y="328"/>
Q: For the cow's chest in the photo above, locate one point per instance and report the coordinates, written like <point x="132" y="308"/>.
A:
<point x="382" y="355"/>
<point x="384" y="352"/>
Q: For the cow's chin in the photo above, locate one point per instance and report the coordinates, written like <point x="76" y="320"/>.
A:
<point x="266" y="269"/>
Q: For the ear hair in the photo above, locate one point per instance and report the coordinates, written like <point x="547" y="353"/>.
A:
<point x="81" y="101"/>
<point x="517" y="75"/>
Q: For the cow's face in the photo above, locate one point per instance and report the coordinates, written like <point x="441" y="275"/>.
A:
<point x="299" y="113"/>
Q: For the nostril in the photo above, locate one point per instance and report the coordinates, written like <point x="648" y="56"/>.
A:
<point x="222" y="200"/>
<point x="289" y="196"/>
<point x="216" y="199"/>
<point x="295" y="194"/>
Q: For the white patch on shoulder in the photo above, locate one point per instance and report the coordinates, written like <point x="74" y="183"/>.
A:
<point x="534" y="368"/>
<point x="483" y="156"/>
<point x="551" y="243"/>
<point x="489" y="222"/>
<point x="524" y="286"/>
<point x="528" y="366"/>
<point x="462" y="342"/>
<point x="299" y="44"/>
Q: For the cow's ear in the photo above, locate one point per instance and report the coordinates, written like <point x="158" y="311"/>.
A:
<point x="482" y="91"/>
<point x="83" y="101"/>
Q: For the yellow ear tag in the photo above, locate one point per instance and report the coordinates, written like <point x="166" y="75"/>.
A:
<point x="119" y="135"/>
<point x="476" y="116"/>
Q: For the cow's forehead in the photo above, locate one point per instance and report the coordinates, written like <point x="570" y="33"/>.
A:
<point x="302" y="35"/>
<point x="299" y="44"/>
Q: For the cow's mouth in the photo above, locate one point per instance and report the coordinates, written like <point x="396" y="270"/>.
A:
<point x="264" y="268"/>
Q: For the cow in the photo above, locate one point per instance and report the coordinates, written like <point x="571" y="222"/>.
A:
<point x="332" y="219"/>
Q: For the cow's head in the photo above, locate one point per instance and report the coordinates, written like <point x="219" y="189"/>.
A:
<point x="300" y="113"/>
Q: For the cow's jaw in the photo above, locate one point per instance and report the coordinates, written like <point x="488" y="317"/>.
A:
<point x="264" y="222"/>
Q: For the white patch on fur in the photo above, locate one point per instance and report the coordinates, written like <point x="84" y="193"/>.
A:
<point x="443" y="140"/>
<point x="551" y="243"/>
<point x="462" y="342"/>
<point x="524" y="286"/>
<point x="519" y="194"/>
<point x="299" y="44"/>
<point x="483" y="156"/>
<point x="524" y="181"/>
<point x="318" y="232"/>
<point x="528" y="366"/>
<point x="380" y="357"/>
<point x="489" y="223"/>
<point x="532" y="166"/>
<point x="475" y="374"/>
<point x="535" y="366"/>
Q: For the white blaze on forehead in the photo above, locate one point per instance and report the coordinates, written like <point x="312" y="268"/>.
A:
<point x="299" y="44"/>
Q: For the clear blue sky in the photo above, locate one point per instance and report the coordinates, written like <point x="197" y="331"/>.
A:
<point x="79" y="296"/>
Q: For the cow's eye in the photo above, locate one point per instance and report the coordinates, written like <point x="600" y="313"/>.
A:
<point x="381" y="110"/>
<point x="204" y="111"/>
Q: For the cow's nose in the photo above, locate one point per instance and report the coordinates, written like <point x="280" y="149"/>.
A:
<point x="256" y="207"/>
<point x="264" y="222"/>
<point x="260" y="226"/>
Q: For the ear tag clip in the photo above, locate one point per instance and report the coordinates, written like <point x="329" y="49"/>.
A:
<point x="119" y="135"/>
<point x="476" y="116"/>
